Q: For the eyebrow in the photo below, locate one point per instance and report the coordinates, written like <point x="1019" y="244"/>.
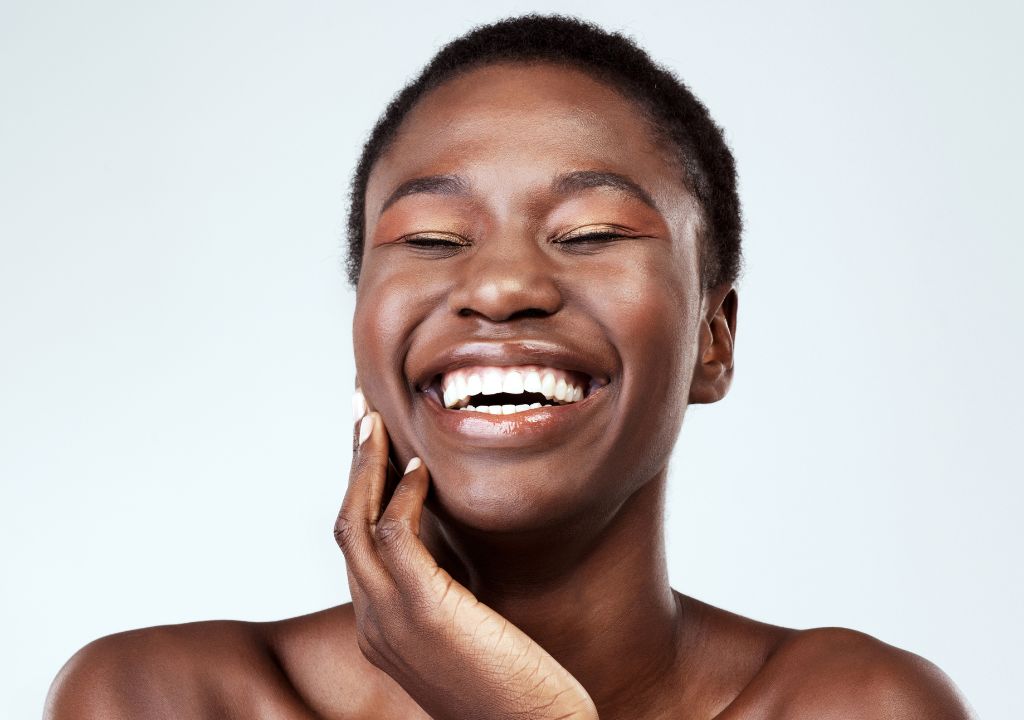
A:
<point x="571" y="183"/>
<point x="576" y="182"/>
<point x="429" y="184"/>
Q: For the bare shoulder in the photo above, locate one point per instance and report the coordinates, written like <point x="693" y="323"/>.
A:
<point x="155" y="671"/>
<point x="320" y="654"/>
<point x="841" y="673"/>
<point x="212" y="669"/>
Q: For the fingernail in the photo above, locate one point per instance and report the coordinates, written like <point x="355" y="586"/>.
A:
<point x="358" y="405"/>
<point x="413" y="464"/>
<point x="365" y="428"/>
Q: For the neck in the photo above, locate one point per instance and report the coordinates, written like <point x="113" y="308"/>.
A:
<point x="596" y="597"/>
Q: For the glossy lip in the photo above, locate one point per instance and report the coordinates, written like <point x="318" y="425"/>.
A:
<point x="519" y="428"/>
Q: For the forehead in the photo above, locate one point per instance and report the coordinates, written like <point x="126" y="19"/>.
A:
<point x="511" y="127"/>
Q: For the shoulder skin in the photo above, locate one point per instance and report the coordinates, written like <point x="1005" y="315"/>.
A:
<point x="224" y="669"/>
<point x="843" y="674"/>
<point x="215" y="669"/>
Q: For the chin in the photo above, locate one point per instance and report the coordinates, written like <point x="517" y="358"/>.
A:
<point x="514" y="497"/>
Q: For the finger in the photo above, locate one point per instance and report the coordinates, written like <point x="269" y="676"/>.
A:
<point x="361" y="506"/>
<point x="406" y="503"/>
<point x="368" y="476"/>
<point x="360" y="407"/>
<point x="397" y="533"/>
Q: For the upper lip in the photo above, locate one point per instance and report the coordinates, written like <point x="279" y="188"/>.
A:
<point x="505" y="353"/>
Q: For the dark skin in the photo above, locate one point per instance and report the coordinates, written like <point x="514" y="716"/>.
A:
<point x="518" y="570"/>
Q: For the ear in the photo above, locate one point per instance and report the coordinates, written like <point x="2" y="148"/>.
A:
<point x="716" y="340"/>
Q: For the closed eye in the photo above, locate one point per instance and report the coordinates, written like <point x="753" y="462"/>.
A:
<point x="435" y="246"/>
<point x="592" y="237"/>
<point x="589" y="243"/>
<point x="433" y="242"/>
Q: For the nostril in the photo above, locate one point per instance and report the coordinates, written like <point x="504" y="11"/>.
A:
<point x="518" y="314"/>
<point x="530" y="313"/>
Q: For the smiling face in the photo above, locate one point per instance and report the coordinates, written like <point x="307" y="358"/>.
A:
<point x="525" y="229"/>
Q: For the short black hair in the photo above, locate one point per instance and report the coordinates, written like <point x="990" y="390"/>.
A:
<point x="678" y="117"/>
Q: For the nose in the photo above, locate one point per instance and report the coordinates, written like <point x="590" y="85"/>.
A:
<point x="505" y="281"/>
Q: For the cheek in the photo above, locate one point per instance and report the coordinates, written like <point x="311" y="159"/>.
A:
<point x="385" y="314"/>
<point x="650" y="311"/>
<point x="651" y="314"/>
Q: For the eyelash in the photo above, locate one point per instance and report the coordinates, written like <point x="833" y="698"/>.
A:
<point x="589" y="243"/>
<point x="595" y="237"/>
<point x="446" y="247"/>
<point x="432" y="242"/>
<point x="436" y="246"/>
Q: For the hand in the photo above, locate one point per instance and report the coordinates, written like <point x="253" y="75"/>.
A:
<point x="456" y="657"/>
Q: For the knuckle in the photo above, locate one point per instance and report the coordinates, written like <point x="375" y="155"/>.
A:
<point x="346" y="530"/>
<point x="391" y="533"/>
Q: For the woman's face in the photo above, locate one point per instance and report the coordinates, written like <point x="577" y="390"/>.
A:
<point x="476" y="264"/>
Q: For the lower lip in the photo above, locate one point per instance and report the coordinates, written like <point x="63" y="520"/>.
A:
<point x="517" y="428"/>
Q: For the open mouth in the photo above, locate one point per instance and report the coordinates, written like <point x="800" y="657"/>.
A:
<point x="510" y="390"/>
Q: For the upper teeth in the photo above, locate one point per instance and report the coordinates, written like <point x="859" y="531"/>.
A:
<point x="557" y="385"/>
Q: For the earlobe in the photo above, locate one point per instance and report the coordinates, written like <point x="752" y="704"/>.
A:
<point x="713" y="372"/>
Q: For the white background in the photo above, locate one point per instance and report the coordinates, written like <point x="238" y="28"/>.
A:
<point x="175" y="324"/>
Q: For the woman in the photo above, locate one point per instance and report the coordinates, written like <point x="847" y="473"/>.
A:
<point x="544" y="236"/>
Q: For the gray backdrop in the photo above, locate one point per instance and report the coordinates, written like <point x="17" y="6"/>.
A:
<point x="176" y="351"/>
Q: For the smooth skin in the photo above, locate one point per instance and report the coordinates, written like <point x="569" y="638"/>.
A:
<point x="501" y="580"/>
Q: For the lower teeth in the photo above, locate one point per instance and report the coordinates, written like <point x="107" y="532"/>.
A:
<point x="505" y="409"/>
